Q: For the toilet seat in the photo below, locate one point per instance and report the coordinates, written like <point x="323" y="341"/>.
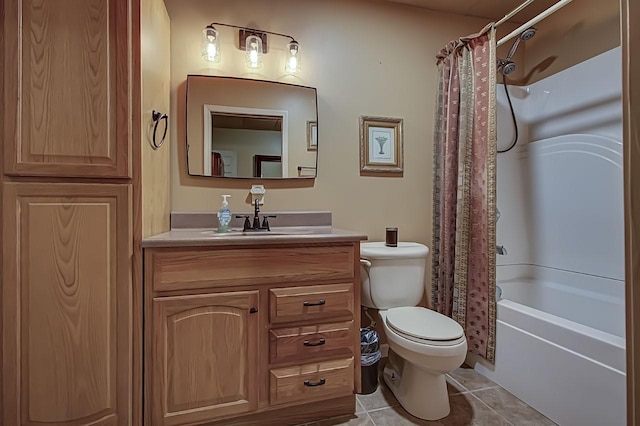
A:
<point x="424" y="326"/>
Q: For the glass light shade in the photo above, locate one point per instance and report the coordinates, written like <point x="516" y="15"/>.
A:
<point x="293" y="64"/>
<point x="210" y="45"/>
<point x="254" y="52"/>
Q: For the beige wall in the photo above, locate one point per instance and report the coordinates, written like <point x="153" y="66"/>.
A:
<point x="575" y="33"/>
<point x="365" y="58"/>
<point x="155" y="80"/>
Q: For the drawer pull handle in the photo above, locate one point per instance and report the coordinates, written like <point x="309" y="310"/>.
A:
<point x="253" y="310"/>
<point x="318" y="303"/>
<point x="319" y="383"/>
<point x="318" y="343"/>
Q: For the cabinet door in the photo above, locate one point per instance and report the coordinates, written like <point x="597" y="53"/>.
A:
<point x="66" y="306"/>
<point x="67" y="81"/>
<point x="204" y="357"/>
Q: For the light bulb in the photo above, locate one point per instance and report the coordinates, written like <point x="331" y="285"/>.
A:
<point x="253" y="55"/>
<point x="210" y="45"/>
<point x="292" y="65"/>
<point x="212" y="50"/>
<point x="254" y="52"/>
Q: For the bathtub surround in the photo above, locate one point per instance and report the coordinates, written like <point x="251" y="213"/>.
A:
<point x="560" y="195"/>
<point x="464" y="210"/>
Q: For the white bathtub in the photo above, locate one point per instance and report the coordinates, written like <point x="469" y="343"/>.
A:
<point x="560" y="344"/>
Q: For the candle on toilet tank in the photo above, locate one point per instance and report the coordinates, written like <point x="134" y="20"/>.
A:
<point x="391" y="237"/>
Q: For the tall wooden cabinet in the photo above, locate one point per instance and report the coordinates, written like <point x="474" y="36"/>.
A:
<point x="66" y="311"/>
<point x="72" y="126"/>
<point x="67" y="88"/>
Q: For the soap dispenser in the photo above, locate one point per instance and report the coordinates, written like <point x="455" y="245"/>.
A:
<point x="224" y="215"/>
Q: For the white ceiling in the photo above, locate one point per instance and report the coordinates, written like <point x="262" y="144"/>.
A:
<point x="489" y="9"/>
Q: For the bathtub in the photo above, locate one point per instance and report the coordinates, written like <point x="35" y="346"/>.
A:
<point x="560" y="344"/>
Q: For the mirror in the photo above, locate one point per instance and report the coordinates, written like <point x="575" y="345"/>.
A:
<point x="243" y="128"/>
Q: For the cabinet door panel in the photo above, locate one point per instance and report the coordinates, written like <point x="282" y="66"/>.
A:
<point x="67" y="88"/>
<point x="204" y="356"/>
<point x="66" y="304"/>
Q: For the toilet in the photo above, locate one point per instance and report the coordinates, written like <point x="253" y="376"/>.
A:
<point x="424" y="345"/>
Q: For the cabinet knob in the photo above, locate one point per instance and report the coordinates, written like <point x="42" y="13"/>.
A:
<point x="253" y="310"/>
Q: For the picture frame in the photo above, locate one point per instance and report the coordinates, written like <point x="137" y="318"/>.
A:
<point x="312" y="135"/>
<point x="381" y="145"/>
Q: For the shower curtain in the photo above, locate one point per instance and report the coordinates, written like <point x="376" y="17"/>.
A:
<point x="464" y="193"/>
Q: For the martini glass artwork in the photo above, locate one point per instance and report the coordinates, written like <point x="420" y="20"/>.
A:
<point x="381" y="140"/>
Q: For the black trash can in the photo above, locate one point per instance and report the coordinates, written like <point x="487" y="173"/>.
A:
<point x="369" y="357"/>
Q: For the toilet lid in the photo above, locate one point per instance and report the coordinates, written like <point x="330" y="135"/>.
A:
<point x="424" y="324"/>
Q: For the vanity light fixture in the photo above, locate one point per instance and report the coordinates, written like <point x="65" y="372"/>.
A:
<point x="210" y="44"/>
<point x="253" y="46"/>
<point x="292" y="65"/>
<point x="253" y="42"/>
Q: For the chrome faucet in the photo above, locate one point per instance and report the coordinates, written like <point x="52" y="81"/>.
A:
<point x="501" y="250"/>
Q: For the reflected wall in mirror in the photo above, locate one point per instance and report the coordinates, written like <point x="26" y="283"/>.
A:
<point x="242" y="128"/>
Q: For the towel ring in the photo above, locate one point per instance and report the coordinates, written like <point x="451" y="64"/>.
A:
<point x="157" y="117"/>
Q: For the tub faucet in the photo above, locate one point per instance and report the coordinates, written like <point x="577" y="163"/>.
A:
<point x="501" y="250"/>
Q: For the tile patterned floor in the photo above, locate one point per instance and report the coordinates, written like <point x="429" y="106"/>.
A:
<point x="475" y="400"/>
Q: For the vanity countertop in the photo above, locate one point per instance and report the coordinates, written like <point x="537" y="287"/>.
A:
<point x="202" y="237"/>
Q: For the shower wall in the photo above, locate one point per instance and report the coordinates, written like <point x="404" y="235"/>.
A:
<point x="560" y="197"/>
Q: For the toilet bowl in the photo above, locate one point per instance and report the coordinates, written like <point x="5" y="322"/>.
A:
<point x="417" y="378"/>
<point x="424" y="345"/>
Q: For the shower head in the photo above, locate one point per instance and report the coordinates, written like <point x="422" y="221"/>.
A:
<point x="507" y="66"/>
<point x="524" y="36"/>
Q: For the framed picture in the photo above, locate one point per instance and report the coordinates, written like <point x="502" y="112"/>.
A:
<point x="312" y="135"/>
<point x="381" y="145"/>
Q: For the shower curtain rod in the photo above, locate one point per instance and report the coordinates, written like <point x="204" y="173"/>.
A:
<point x="529" y="23"/>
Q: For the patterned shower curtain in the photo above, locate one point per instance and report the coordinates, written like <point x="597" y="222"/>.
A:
<point x="464" y="196"/>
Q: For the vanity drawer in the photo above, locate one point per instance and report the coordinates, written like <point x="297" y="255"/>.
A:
<point x="308" y="303"/>
<point x="307" y="341"/>
<point x="323" y="380"/>
<point x="180" y="269"/>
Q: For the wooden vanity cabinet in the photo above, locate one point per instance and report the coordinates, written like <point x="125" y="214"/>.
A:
<point x="239" y="343"/>
<point x="205" y="351"/>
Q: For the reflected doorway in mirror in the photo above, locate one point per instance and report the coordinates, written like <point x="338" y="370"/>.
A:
<point x="251" y="130"/>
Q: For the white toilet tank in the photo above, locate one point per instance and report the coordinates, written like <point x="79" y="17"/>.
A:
<point x="396" y="275"/>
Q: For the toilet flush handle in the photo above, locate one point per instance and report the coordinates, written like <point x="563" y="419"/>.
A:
<point x="365" y="262"/>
